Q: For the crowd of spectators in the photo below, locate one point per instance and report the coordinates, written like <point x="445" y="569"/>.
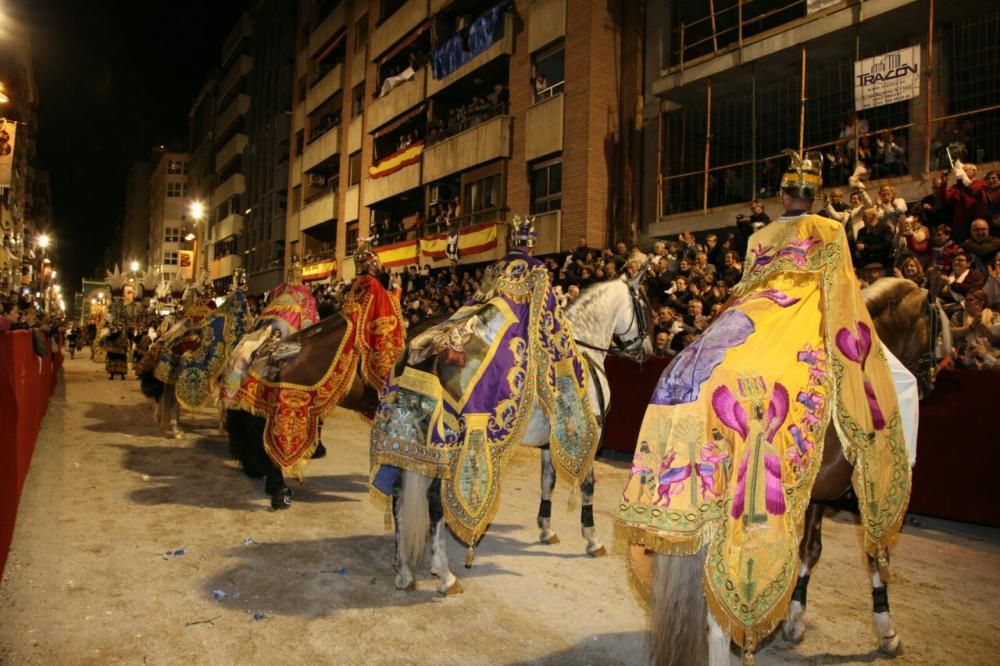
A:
<point x="478" y="109"/>
<point x="952" y="233"/>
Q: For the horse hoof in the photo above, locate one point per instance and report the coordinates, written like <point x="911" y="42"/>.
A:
<point x="600" y="552"/>
<point x="409" y="587"/>
<point x="281" y="499"/>
<point x="453" y="590"/>
<point x="891" y="645"/>
<point x="793" y="632"/>
<point x="320" y="452"/>
<point x="552" y="540"/>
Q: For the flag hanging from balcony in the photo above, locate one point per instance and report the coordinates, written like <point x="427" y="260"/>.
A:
<point x="320" y="270"/>
<point x="471" y="240"/>
<point x="8" y="130"/>
<point x="403" y="253"/>
<point x="468" y="43"/>
<point x="396" y="161"/>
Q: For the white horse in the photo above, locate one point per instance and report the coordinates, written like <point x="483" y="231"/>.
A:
<point x="609" y="317"/>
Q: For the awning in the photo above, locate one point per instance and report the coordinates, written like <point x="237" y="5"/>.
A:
<point x="399" y="122"/>
<point x="404" y="43"/>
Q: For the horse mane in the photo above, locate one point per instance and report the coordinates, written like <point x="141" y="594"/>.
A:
<point x="895" y="305"/>
<point x="589" y="295"/>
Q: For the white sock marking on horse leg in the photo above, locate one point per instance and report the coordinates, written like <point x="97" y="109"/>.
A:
<point x="718" y="644"/>
<point x="885" y="630"/>
<point x="447" y="582"/>
<point x="794" y="626"/>
<point x="547" y="535"/>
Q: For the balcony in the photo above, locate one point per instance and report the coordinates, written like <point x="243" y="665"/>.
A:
<point x="351" y="200"/>
<point x="236" y="108"/>
<point x="503" y="46"/>
<point x="230" y="225"/>
<point x="358" y="66"/>
<point x="233" y="186"/>
<point x="240" y="68"/>
<point x="321" y="149"/>
<point x="229" y="151"/>
<point x="325" y="31"/>
<point x="355" y="133"/>
<point x="244" y="28"/>
<point x="299" y="117"/>
<point x="544" y="128"/>
<point x="399" y="100"/>
<point x="546" y="23"/>
<point x="378" y="189"/>
<point x="318" y="211"/>
<point x="485" y="142"/>
<point x="325" y="88"/>
<point x="396" y="26"/>
<point x="224" y="267"/>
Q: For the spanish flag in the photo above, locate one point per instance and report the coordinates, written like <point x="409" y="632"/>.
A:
<point x="403" y="253"/>
<point x="398" y="160"/>
<point x="471" y="240"/>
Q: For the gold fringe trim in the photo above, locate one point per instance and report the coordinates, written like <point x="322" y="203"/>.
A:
<point x="627" y="535"/>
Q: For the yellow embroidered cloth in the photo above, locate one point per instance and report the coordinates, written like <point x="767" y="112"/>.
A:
<point x="732" y="439"/>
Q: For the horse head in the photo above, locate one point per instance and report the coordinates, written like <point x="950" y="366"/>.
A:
<point x="628" y="332"/>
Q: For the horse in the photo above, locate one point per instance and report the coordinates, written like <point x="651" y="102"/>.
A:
<point x="908" y="319"/>
<point x="192" y="354"/>
<point x="608" y="317"/>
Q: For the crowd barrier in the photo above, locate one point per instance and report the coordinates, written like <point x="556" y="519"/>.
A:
<point x="957" y="449"/>
<point x="26" y="383"/>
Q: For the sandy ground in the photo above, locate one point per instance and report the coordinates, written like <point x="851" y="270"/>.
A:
<point x="87" y="581"/>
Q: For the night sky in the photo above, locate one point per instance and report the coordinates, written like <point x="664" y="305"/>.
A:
<point x="115" y="78"/>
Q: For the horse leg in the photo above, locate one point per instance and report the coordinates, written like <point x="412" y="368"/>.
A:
<point x="548" y="535"/>
<point x="718" y="643"/>
<point x="448" y="584"/>
<point x="810" y="548"/>
<point x="274" y="485"/>
<point x="885" y="630"/>
<point x="594" y="546"/>
<point x="413" y="525"/>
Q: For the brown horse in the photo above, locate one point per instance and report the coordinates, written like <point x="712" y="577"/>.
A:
<point x="908" y="320"/>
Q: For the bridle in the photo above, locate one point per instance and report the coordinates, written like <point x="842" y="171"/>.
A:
<point x="926" y="367"/>
<point x="627" y="345"/>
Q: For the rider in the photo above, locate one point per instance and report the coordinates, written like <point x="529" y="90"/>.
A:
<point x="734" y="430"/>
<point x="477" y="376"/>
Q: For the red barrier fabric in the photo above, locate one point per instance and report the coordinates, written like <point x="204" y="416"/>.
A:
<point x="26" y="383"/>
<point x="957" y="449"/>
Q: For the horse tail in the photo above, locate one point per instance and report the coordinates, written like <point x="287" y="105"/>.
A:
<point x="678" y="633"/>
<point x="414" y="518"/>
<point x="150" y="386"/>
<point x="246" y="442"/>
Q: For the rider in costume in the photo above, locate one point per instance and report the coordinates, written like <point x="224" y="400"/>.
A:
<point x="732" y="439"/>
<point x="460" y="400"/>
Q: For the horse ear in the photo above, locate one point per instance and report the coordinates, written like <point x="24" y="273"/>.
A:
<point x="934" y="287"/>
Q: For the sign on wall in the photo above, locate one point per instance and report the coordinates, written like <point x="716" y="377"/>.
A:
<point x="817" y="5"/>
<point x="8" y="130"/>
<point x="887" y="78"/>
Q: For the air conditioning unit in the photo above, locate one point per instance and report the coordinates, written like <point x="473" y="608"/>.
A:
<point x="317" y="180"/>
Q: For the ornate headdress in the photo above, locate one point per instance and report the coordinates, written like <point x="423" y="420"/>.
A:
<point x="294" y="273"/>
<point x="522" y="232"/>
<point x="365" y="259"/>
<point x="116" y="280"/>
<point x="804" y="176"/>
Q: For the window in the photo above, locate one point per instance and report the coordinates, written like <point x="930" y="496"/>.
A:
<point x="176" y="167"/>
<point x="175" y="190"/>
<point x="358" y="100"/>
<point x="352" y="237"/>
<point x="549" y="72"/>
<point x="303" y="87"/>
<point x="482" y="194"/>
<point x="300" y="142"/>
<point x="546" y="186"/>
<point x="172" y="234"/>
<point x="296" y="198"/>
<point x="361" y="33"/>
<point x="169" y="258"/>
<point x="354" y="169"/>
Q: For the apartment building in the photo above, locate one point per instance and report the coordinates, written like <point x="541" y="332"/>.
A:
<point x="415" y="120"/>
<point x="135" y="224"/>
<point x="172" y="242"/>
<point x="895" y="84"/>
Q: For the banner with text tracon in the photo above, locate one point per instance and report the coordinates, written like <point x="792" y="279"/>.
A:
<point x="8" y="129"/>
<point x="884" y="79"/>
<point x="813" y="6"/>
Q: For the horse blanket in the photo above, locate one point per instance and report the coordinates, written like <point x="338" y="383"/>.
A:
<point x="465" y="394"/>
<point x="732" y="439"/>
<point x="192" y="358"/>
<point x="290" y="308"/>
<point x="373" y="339"/>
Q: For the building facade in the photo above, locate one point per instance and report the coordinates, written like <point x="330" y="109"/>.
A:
<point x="171" y="241"/>
<point x="728" y="86"/>
<point x="417" y="120"/>
<point x="135" y="224"/>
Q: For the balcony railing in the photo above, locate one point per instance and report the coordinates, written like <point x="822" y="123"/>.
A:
<point x="544" y="128"/>
<point x="232" y="186"/>
<point x="325" y="88"/>
<point x="504" y="45"/>
<point x="318" y="211"/>
<point x="231" y="225"/>
<point x="244" y="28"/>
<point x="484" y="142"/>
<point x="325" y="31"/>
<point x="236" y="108"/>
<point x="378" y="189"/>
<point x="240" y="68"/>
<point x="326" y="146"/>
<point x="224" y="267"/>
<point x="405" y="19"/>
<point x="397" y="101"/>
<point x="228" y="152"/>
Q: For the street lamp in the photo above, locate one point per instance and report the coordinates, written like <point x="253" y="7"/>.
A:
<point x="197" y="210"/>
<point x="44" y="241"/>
<point x="134" y="266"/>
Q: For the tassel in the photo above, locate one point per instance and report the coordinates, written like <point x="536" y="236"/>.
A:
<point x="388" y="517"/>
<point x="574" y="495"/>
<point x="470" y="554"/>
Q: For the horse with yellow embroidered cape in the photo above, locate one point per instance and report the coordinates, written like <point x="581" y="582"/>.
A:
<point x="732" y="438"/>
<point x="307" y="374"/>
<point x="465" y="392"/>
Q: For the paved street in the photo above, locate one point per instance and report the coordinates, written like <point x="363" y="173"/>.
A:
<point x="89" y="580"/>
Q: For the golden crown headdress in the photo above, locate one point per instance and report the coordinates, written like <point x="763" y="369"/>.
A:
<point x="804" y="176"/>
